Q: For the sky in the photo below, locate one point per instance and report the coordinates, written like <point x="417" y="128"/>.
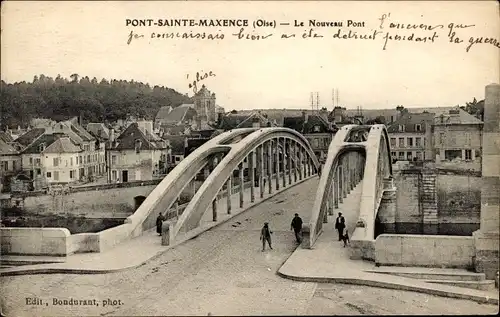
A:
<point x="90" y="39"/>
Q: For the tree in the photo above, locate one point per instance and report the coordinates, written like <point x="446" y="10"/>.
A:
<point x="475" y="108"/>
<point x="93" y="99"/>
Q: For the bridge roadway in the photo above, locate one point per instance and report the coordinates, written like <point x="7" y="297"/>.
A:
<point x="223" y="272"/>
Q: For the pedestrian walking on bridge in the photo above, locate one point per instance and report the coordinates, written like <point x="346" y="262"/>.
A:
<point x="297" y="227"/>
<point x="340" y="225"/>
<point x="159" y="223"/>
<point x="265" y="235"/>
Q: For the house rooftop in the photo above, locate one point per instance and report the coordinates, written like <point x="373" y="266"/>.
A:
<point x="7" y="149"/>
<point x="30" y="136"/>
<point x="62" y="145"/>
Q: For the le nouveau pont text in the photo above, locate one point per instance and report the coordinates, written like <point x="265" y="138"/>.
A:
<point x="384" y="29"/>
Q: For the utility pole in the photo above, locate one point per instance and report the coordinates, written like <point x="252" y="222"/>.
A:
<point x="317" y="101"/>
<point x="337" y="97"/>
<point x="312" y="101"/>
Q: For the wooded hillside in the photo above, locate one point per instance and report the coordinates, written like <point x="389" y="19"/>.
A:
<point x="96" y="101"/>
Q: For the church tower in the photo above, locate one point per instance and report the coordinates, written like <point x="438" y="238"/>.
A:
<point x="204" y="104"/>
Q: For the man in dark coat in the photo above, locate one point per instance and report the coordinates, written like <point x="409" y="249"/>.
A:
<point x="265" y="235"/>
<point x="297" y="227"/>
<point x="159" y="223"/>
<point x="340" y="225"/>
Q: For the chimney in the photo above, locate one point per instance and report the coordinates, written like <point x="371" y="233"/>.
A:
<point x="305" y="116"/>
<point x="111" y="135"/>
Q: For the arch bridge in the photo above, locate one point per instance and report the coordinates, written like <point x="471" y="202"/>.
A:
<point x="262" y="161"/>
<point x="267" y="160"/>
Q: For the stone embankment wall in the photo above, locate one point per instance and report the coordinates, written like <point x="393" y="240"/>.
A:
<point x="437" y="197"/>
<point x="427" y="251"/>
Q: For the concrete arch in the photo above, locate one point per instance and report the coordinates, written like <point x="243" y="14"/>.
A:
<point x="166" y="193"/>
<point x="378" y="167"/>
<point x="375" y="153"/>
<point x="217" y="178"/>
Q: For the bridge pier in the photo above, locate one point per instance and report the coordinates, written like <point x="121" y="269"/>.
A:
<point x="340" y="181"/>
<point x="283" y="161"/>
<point x="277" y="163"/>
<point x="336" y="188"/>
<point x="289" y="161"/>
<point x="251" y="172"/>
<point x="388" y="208"/>
<point x="331" y="199"/>
<point x="241" y="183"/>
<point x="270" y="166"/>
<point x="229" y="192"/>
<point x="260" y="169"/>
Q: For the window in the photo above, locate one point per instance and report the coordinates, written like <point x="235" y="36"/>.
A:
<point x="401" y="128"/>
<point x="409" y="156"/>
<point x="31" y="161"/>
<point x="49" y="174"/>
<point x="418" y="141"/>
<point x="393" y="142"/>
<point x="177" y="159"/>
<point x="88" y="158"/>
<point x="315" y="143"/>
<point x="419" y="156"/>
<point x="467" y="138"/>
<point x="113" y="159"/>
<point x="317" y="128"/>
<point x="55" y="161"/>
<point x="393" y="154"/>
<point x="410" y="142"/>
<point x="468" y="155"/>
<point x="401" y="156"/>
<point x="113" y="175"/>
<point x="56" y="175"/>
<point x="4" y="166"/>
<point x="451" y="155"/>
<point x="71" y="174"/>
<point x="37" y="162"/>
<point x="418" y="127"/>
<point x="14" y="165"/>
<point x="424" y="141"/>
<point x="401" y="142"/>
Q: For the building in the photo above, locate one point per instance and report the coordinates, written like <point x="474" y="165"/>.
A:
<point x="99" y="131"/>
<point x="177" y="145"/>
<point x="411" y="137"/>
<point x="201" y="114"/>
<point x="457" y="140"/>
<point x="92" y="160"/>
<point x="10" y="162"/>
<point x="317" y="130"/>
<point x="137" y="154"/>
<point x="60" y="160"/>
<point x="242" y="120"/>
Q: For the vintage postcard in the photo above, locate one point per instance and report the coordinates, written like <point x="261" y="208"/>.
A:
<point x="170" y="158"/>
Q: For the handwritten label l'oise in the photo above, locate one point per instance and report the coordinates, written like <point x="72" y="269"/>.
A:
<point x="383" y="29"/>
